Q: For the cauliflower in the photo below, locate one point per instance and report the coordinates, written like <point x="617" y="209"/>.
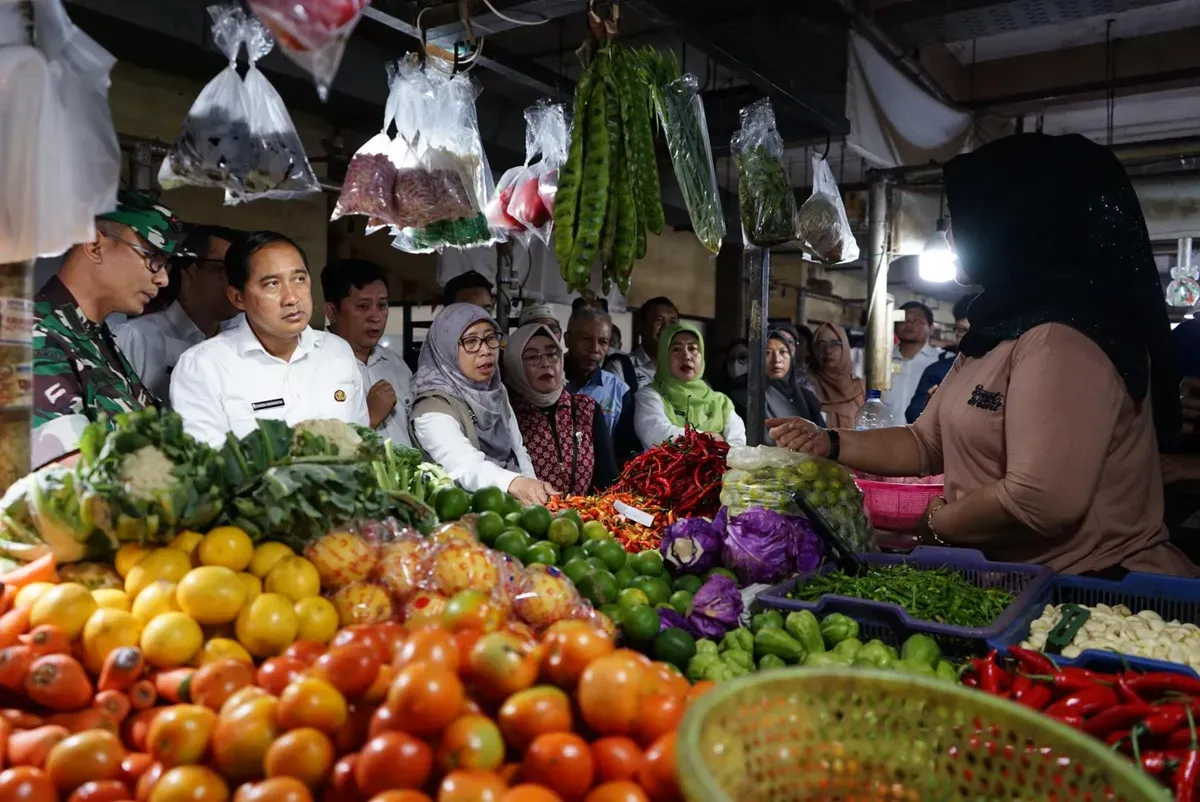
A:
<point x="331" y="437"/>
<point x="146" y="473"/>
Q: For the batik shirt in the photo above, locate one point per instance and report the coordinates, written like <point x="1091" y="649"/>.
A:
<point x="79" y="375"/>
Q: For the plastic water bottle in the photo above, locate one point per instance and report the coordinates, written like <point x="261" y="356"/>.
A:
<point x="873" y="414"/>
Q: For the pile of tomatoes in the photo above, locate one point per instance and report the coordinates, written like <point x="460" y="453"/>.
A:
<point x="381" y="714"/>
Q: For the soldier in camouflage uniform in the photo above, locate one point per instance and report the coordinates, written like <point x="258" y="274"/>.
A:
<point x="79" y="373"/>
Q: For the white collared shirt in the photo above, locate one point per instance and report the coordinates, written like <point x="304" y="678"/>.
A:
<point x="153" y="344"/>
<point x="906" y="375"/>
<point x="385" y="364"/>
<point x="227" y="383"/>
<point x="644" y="366"/>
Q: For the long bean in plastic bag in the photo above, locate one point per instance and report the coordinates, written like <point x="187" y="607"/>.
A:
<point x="313" y="33"/>
<point x="685" y="126"/>
<point x="822" y="227"/>
<point x="279" y="167"/>
<point x="766" y="202"/>
<point x="213" y="148"/>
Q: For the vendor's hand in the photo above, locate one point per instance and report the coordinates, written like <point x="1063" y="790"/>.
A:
<point x="381" y="400"/>
<point x="800" y="435"/>
<point x="1180" y="468"/>
<point x="932" y="390"/>
<point x="531" y="491"/>
<point x="1189" y="401"/>
<point x="924" y="529"/>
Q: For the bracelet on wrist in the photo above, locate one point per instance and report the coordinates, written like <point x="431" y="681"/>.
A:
<point x="929" y="524"/>
<point x="835" y="444"/>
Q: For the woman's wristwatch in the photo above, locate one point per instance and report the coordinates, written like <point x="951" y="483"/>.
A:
<point x="835" y="444"/>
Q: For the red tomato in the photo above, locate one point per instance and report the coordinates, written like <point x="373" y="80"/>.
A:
<point x="471" y="786"/>
<point x="276" y="789"/>
<point x="134" y="766"/>
<point x="617" y="757"/>
<point x="570" y="647"/>
<point x="26" y="784"/>
<point x="426" y="697"/>
<point x="100" y="791"/>
<point x="500" y="664"/>
<point x="84" y="757"/>
<point x="180" y="734"/>
<point x="661" y="713"/>
<point x="407" y="795"/>
<point x="355" y="732"/>
<point x="658" y="775"/>
<point x="622" y="791"/>
<point x="393" y="634"/>
<point x="471" y="742"/>
<point x="215" y="682"/>
<point x="435" y="646"/>
<point x="275" y="674"/>
<point x="529" y="713"/>
<point x="365" y="635"/>
<point x="560" y="761"/>
<point x="305" y="651"/>
<point x="610" y="693"/>
<point x="312" y="702"/>
<point x="350" y="668"/>
<point x="342" y="785"/>
<point x="393" y="760"/>
<point x="305" y="754"/>
<point x="528" y="792"/>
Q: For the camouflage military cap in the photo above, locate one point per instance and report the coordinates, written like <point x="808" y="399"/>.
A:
<point x="155" y="223"/>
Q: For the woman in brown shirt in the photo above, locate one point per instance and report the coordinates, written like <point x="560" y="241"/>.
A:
<point x="1046" y="425"/>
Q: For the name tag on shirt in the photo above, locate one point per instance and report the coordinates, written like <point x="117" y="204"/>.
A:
<point x="274" y="403"/>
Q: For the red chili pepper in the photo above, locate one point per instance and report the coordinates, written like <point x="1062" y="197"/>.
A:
<point x="1036" y="698"/>
<point x="970" y="681"/>
<point x="1151" y="685"/>
<point x="1032" y="662"/>
<point x="991" y="676"/>
<point x="1188" y="775"/>
<point x="1157" y="762"/>
<point x="1086" y="702"/>
<point x="1069" y="680"/>
<point x="1164" y="720"/>
<point x="1116" y="737"/>
<point x="1116" y="718"/>
<point x="1021" y="685"/>
<point x="1126" y="691"/>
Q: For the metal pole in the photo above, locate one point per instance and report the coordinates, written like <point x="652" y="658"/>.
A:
<point x="758" y="282"/>
<point x="504" y="263"/>
<point x="877" y="359"/>
<point x="1183" y="257"/>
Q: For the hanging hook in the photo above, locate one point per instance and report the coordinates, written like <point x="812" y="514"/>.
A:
<point x="828" y="141"/>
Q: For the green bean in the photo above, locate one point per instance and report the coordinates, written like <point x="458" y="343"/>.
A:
<point x="566" y="198"/>
<point x="593" y="191"/>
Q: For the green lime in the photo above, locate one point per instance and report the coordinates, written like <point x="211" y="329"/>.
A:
<point x="641" y="623"/>
<point x="689" y="582"/>
<point x="513" y="520"/>
<point x="592" y="547"/>
<point x="571" y="552"/>
<point x="675" y="646"/>
<point x="613" y="554"/>
<point x="598" y="587"/>
<point x="614" y="611"/>
<point x="648" y="563"/>
<point x="451" y="503"/>
<point x="488" y="527"/>
<point x="656" y="588"/>
<point x="573" y="515"/>
<point x="543" y="552"/>
<point x="536" y="520"/>
<point x="597" y="563"/>
<point x="514" y="542"/>
<point x="631" y="597"/>
<point x="711" y="572"/>
<point x="489" y="498"/>
<point x="564" y="532"/>
<point x="626" y="576"/>
<point x="511" y="504"/>
<point x="576" y="569"/>
<point x="681" y="600"/>
<point x="594" y="530"/>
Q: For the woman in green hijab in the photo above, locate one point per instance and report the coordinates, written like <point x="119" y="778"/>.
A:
<point x="679" y="396"/>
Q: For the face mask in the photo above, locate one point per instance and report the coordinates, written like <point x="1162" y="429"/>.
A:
<point x="739" y="368"/>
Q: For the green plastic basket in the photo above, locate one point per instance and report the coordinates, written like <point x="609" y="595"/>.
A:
<point x="805" y="734"/>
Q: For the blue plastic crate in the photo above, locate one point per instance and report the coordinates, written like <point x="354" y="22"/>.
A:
<point x="1169" y="596"/>
<point x="892" y="623"/>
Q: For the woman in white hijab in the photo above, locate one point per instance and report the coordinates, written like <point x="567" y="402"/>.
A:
<point x="566" y="435"/>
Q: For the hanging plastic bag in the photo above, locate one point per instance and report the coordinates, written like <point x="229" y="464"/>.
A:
<point x="765" y="198"/>
<point x="213" y="148"/>
<point x="278" y="167"/>
<point x="498" y="217"/>
<point x="313" y="33"/>
<point x="370" y="183"/>
<point x="545" y="137"/>
<point x="822" y="227"/>
<point x="681" y="113"/>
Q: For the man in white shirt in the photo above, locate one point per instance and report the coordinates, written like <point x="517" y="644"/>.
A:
<point x="154" y="342"/>
<point x="356" y="306"/>
<point x="654" y="316"/>
<point x="272" y="365"/>
<point x="910" y="358"/>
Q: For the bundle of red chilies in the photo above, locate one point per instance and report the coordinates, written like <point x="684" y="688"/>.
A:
<point x="683" y="474"/>
<point x="1149" y="717"/>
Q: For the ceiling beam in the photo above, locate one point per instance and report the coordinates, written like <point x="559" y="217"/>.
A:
<point x="491" y="23"/>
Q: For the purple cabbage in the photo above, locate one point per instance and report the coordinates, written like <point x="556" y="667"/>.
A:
<point x="766" y="546"/>
<point x="692" y="545"/>
<point x="672" y="618"/>
<point x="716" y="608"/>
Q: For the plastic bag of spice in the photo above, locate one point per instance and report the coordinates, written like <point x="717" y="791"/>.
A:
<point x="213" y="148"/>
<point x="278" y="166"/>
<point x="313" y="33"/>
<point x="371" y="175"/>
<point x="822" y="227"/>
<point x="766" y="201"/>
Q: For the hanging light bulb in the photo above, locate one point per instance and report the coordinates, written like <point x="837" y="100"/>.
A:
<point x="938" y="262"/>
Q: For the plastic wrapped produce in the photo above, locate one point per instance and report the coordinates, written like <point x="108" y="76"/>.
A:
<point x="767" y="477"/>
<point x="213" y="148"/>
<point x="370" y="180"/>
<point x="765" y="199"/>
<point x="496" y="210"/>
<point x="313" y="33"/>
<point x="685" y="126"/>
<point x="822" y="227"/>
<point x="278" y="166"/>
<point x="546" y="144"/>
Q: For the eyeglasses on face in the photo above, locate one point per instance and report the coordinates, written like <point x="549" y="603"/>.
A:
<point x="472" y="344"/>
<point x="537" y="358"/>
<point x="829" y="345"/>
<point x="155" y="260"/>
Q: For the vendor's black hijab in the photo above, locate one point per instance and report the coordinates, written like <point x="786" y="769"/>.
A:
<point x="1052" y="230"/>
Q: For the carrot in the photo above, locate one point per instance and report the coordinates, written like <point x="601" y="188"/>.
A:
<point x="92" y="718"/>
<point x="7" y="596"/>
<point x="39" y="570"/>
<point x="14" y="665"/>
<point x="21" y="719"/>
<point x="30" y="747"/>
<point x="114" y="703"/>
<point x="175" y="685"/>
<point x="12" y="625"/>
<point x="58" y="681"/>
<point x="46" y="639"/>
<point x="142" y="694"/>
<point x="122" y="668"/>
<point x="137" y="727"/>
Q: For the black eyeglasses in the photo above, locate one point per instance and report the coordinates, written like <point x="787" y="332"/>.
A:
<point x="472" y="344"/>
<point x="155" y="260"/>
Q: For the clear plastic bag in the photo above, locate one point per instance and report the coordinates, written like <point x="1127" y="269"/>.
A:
<point x="496" y="211"/>
<point x="369" y="186"/>
<point x="213" y="148"/>
<point x="278" y="167"/>
<point x="545" y="137"/>
<point x="765" y="199"/>
<point x="822" y="227"/>
<point x="313" y="33"/>
<point x="767" y="477"/>
<point x="681" y="113"/>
